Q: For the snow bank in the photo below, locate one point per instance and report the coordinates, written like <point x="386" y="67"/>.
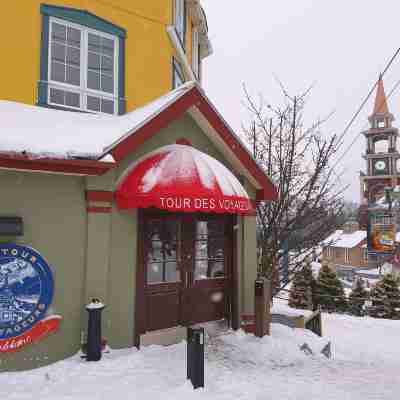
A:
<point x="281" y="307"/>
<point x="365" y="364"/>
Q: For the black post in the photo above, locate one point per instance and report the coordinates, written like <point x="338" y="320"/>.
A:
<point x="195" y="356"/>
<point x="93" y="348"/>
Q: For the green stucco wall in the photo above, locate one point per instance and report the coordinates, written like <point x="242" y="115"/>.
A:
<point x="54" y="214"/>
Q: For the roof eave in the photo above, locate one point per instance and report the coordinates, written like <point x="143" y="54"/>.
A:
<point x="51" y="165"/>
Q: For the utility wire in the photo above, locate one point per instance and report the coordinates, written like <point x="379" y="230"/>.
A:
<point x="131" y="12"/>
<point x="346" y="129"/>
<point x="395" y="87"/>
<point x="348" y="126"/>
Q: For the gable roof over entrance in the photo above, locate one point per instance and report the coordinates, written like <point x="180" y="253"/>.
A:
<point x="35" y="138"/>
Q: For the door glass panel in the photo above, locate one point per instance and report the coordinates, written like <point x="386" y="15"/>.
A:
<point x="171" y="272"/>
<point x="209" y="249"/>
<point x="201" y="249"/>
<point x="201" y="269"/>
<point x="216" y="248"/>
<point x="154" y="272"/>
<point x="155" y="252"/>
<point x="162" y="251"/>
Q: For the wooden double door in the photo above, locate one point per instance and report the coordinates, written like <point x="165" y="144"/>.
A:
<point x="186" y="269"/>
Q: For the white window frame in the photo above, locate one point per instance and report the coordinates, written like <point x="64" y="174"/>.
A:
<point x="177" y="70"/>
<point x="329" y="251"/>
<point x="195" y="52"/>
<point x="83" y="90"/>
<point x="346" y="255"/>
<point x="180" y="21"/>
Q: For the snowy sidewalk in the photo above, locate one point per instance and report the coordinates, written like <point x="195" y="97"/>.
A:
<point x="238" y="366"/>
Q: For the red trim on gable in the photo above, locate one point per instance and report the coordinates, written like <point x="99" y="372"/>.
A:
<point x="174" y="111"/>
<point x="99" y="195"/>
<point x="99" y="210"/>
<point x="170" y="114"/>
<point x="81" y="167"/>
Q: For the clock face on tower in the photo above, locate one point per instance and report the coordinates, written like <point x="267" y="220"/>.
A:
<point x="380" y="165"/>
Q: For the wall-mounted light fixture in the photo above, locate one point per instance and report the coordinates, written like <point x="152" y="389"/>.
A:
<point x="11" y="226"/>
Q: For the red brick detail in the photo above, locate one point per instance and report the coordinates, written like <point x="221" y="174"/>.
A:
<point x="99" y="210"/>
<point x="248" y="323"/>
<point x="248" y="317"/>
<point x="99" y="195"/>
<point x="184" y="141"/>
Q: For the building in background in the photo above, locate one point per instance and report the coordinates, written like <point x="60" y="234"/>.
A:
<point x="381" y="156"/>
<point x="346" y="249"/>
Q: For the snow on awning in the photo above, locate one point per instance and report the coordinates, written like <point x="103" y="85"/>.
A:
<point x="180" y="178"/>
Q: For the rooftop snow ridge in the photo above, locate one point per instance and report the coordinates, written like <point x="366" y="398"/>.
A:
<point x="39" y="132"/>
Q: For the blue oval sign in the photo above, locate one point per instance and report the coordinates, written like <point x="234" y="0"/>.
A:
<point x="26" y="289"/>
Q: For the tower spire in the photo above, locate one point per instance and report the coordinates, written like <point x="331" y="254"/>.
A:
<point x="380" y="106"/>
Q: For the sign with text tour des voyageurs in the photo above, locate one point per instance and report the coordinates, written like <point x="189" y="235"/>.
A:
<point x="381" y="232"/>
<point x="26" y="292"/>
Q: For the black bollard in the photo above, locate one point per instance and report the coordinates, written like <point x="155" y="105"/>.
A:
<point x="195" y="356"/>
<point x="93" y="348"/>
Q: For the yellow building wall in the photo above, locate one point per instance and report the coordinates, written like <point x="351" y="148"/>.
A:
<point x="149" y="52"/>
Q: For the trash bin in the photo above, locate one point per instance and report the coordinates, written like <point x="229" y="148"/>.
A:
<point x="93" y="348"/>
<point x="195" y="356"/>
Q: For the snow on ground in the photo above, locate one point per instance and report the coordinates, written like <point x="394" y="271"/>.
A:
<point x="280" y="307"/>
<point x="238" y="366"/>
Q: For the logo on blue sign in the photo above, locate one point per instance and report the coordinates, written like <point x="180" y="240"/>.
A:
<point x="26" y="289"/>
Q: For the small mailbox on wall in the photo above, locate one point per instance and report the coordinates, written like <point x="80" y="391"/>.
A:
<point x="11" y="226"/>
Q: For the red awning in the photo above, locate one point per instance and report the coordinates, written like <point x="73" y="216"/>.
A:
<point x="180" y="178"/>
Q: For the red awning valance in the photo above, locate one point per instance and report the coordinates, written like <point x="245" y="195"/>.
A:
<point x="180" y="178"/>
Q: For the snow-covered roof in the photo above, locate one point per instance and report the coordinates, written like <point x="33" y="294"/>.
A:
<point x="43" y="132"/>
<point x="345" y="240"/>
<point x="332" y="238"/>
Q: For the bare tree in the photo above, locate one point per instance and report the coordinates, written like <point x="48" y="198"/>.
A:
<point x="297" y="158"/>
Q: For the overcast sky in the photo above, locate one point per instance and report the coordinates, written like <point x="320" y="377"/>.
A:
<point x="340" y="45"/>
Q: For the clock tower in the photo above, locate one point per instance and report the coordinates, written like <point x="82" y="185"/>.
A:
<point x="382" y="157"/>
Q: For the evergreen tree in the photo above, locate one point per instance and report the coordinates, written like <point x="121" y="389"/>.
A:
<point x="386" y="298"/>
<point x="301" y="292"/>
<point x="357" y="298"/>
<point x="329" y="290"/>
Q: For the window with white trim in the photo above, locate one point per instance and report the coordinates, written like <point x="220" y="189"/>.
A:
<point x="180" y="20"/>
<point x="178" y="76"/>
<point x="83" y="68"/>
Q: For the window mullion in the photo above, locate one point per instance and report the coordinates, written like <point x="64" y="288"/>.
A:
<point x="116" y="76"/>
<point x="84" y="55"/>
